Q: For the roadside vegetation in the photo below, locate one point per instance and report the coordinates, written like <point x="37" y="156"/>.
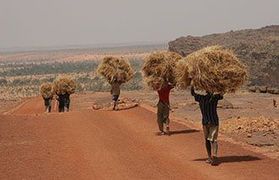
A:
<point x="19" y="79"/>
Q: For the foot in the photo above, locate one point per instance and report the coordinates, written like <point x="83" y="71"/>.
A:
<point x="161" y="133"/>
<point x="168" y="131"/>
<point x="214" y="161"/>
<point x="208" y="161"/>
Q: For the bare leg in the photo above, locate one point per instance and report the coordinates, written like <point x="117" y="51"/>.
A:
<point x="214" y="146"/>
<point x="208" y="149"/>
<point x="160" y="119"/>
<point x="160" y="124"/>
<point x="167" y="126"/>
<point x="114" y="105"/>
<point x="49" y="109"/>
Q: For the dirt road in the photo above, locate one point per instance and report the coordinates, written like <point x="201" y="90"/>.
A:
<point x="114" y="145"/>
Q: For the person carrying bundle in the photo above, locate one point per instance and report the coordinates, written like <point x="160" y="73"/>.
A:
<point x="63" y="102"/>
<point x="115" y="92"/>
<point x="46" y="91"/>
<point x="117" y="71"/>
<point x="210" y="121"/>
<point x="163" y="110"/>
<point x="47" y="102"/>
<point x="159" y="74"/>
<point x="64" y="87"/>
<point x="216" y="70"/>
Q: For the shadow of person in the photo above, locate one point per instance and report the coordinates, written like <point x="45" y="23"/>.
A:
<point x="232" y="159"/>
<point x="187" y="131"/>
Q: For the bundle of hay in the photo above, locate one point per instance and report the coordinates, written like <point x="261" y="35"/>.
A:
<point x="116" y="68"/>
<point x="46" y="90"/>
<point x="64" y="85"/>
<point x="159" y="69"/>
<point x="213" y="69"/>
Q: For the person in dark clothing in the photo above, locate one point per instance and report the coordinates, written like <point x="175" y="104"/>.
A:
<point x="60" y="100"/>
<point x="48" y="102"/>
<point x="67" y="102"/>
<point x="64" y="102"/>
<point x="210" y="121"/>
<point x="164" y="109"/>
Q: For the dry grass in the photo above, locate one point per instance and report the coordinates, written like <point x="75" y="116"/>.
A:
<point x="46" y="90"/>
<point x="113" y="67"/>
<point x="159" y="69"/>
<point x="64" y="85"/>
<point x="213" y="69"/>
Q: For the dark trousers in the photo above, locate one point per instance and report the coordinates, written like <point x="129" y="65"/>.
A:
<point x="47" y="105"/>
<point x="61" y="107"/>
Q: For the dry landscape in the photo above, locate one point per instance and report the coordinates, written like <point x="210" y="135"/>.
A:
<point x="249" y="124"/>
<point x="101" y="144"/>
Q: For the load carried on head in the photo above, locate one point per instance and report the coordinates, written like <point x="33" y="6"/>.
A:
<point x="159" y="69"/>
<point x="116" y="69"/>
<point x="213" y="69"/>
<point x="46" y="90"/>
<point x="64" y="85"/>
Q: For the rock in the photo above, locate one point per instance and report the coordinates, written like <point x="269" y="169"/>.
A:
<point x="273" y="90"/>
<point x="252" y="89"/>
<point x="260" y="89"/>
<point x="263" y="89"/>
<point x="274" y="103"/>
<point x="192" y="44"/>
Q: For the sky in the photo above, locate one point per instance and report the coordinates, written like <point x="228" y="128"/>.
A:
<point x="50" y="23"/>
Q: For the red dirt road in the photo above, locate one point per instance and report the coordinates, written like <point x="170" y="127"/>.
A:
<point x="114" y="145"/>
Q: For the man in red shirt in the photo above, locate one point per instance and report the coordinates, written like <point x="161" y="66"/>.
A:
<point x="164" y="109"/>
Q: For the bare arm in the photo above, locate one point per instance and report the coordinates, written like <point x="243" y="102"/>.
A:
<point x="193" y="91"/>
<point x="196" y="96"/>
<point x="219" y="96"/>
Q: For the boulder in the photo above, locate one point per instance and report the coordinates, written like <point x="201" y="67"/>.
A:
<point x="273" y="90"/>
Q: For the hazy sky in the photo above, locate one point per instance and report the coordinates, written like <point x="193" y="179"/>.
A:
<point x="38" y="23"/>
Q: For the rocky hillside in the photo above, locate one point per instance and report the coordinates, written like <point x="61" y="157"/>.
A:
<point x="258" y="48"/>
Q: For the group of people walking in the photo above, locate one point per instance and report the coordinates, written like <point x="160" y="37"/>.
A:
<point x="207" y="103"/>
<point x="210" y="120"/>
<point x="63" y="101"/>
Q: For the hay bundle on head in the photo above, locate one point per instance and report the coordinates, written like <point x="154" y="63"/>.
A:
<point x="113" y="68"/>
<point x="64" y="85"/>
<point x="46" y="90"/>
<point x="159" y="69"/>
<point x="213" y="69"/>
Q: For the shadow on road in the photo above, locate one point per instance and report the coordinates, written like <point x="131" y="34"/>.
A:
<point x="232" y="159"/>
<point x="183" y="131"/>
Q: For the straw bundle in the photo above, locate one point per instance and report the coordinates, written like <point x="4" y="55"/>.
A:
<point x="159" y="69"/>
<point x="46" y="90"/>
<point x="213" y="69"/>
<point x="64" y="85"/>
<point x="116" y="68"/>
